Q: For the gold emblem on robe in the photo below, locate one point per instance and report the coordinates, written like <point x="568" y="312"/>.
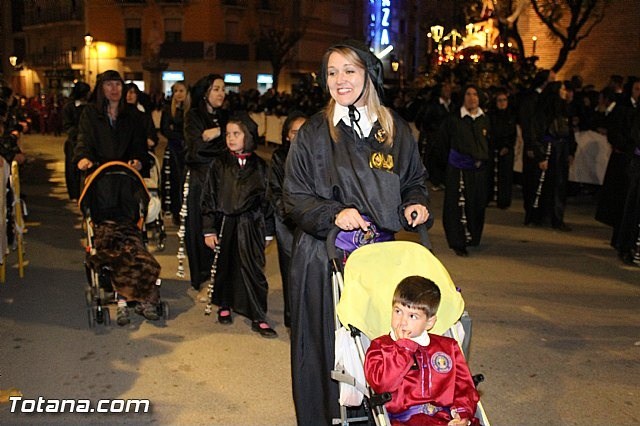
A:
<point x="379" y="160"/>
<point x="381" y="136"/>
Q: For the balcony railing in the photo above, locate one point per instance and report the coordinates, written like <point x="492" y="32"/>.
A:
<point x="55" y="60"/>
<point x="47" y="12"/>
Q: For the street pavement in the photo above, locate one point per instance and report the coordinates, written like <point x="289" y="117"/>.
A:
<point x="555" y="326"/>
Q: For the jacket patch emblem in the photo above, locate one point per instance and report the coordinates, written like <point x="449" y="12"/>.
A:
<point x="441" y="362"/>
<point x="381" y="161"/>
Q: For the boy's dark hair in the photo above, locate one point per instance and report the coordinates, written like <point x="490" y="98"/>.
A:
<point x="418" y="292"/>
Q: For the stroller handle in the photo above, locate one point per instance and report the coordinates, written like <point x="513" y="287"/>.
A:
<point x="424" y="234"/>
<point x="333" y="234"/>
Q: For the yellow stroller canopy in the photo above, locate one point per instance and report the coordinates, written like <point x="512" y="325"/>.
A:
<point x="371" y="275"/>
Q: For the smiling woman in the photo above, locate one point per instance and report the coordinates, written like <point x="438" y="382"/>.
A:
<point x="355" y="166"/>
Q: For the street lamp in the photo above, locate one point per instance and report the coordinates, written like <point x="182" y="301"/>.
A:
<point x="88" y="41"/>
<point x="13" y="60"/>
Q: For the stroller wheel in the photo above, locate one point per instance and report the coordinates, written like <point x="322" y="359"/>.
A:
<point x="107" y="316"/>
<point x="90" y="317"/>
<point x="88" y="296"/>
<point x="100" y="314"/>
<point x="163" y="310"/>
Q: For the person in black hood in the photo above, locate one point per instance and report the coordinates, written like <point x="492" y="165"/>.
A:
<point x="204" y="140"/>
<point x="354" y="166"/>
<point x="108" y="131"/>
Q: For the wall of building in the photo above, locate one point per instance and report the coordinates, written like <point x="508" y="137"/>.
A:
<point x="613" y="47"/>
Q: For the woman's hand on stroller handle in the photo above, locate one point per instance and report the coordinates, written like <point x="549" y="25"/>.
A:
<point x="85" y="164"/>
<point x="416" y="214"/>
<point x="136" y="164"/>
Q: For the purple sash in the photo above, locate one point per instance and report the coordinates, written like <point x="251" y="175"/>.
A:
<point x="351" y="240"/>
<point x="427" y="409"/>
<point x="463" y="161"/>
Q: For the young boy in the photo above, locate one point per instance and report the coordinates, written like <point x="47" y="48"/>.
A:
<point x="426" y="374"/>
<point x="237" y="216"/>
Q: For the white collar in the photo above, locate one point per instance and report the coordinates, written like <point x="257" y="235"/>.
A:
<point x="445" y="103"/>
<point x="464" y="111"/>
<point x="422" y="340"/>
<point x="140" y="107"/>
<point x="366" y="122"/>
<point x="633" y="102"/>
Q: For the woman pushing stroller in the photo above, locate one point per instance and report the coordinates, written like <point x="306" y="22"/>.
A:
<point x="355" y="166"/>
<point x="109" y="131"/>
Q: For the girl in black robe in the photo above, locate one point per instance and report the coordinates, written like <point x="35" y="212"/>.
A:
<point x="204" y="141"/>
<point x="353" y="166"/>
<point x="237" y="216"/>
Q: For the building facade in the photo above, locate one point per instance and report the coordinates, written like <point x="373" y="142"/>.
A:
<point x="156" y="42"/>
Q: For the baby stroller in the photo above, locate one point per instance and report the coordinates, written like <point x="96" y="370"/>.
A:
<point x="114" y="203"/>
<point x="363" y="310"/>
<point x="155" y="215"/>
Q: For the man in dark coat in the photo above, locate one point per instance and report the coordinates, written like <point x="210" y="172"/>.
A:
<point x="465" y="134"/>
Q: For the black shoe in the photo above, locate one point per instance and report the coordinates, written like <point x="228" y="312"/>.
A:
<point x="224" y="316"/>
<point x="462" y="252"/>
<point x="264" y="329"/>
<point x="563" y="227"/>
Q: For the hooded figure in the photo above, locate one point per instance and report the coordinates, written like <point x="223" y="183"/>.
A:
<point x="204" y="140"/>
<point x="108" y="131"/>
<point x="355" y="165"/>
<point x="237" y="217"/>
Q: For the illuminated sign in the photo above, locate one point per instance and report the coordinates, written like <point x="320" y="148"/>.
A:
<point x="233" y="78"/>
<point x="380" y="16"/>
<point x="172" y="75"/>
<point x="265" y="79"/>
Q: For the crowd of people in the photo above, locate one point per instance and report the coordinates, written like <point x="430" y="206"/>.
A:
<point x="348" y="161"/>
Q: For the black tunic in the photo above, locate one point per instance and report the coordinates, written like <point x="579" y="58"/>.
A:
<point x="198" y="156"/>
<point x="101" y="142"/>
<point x="70" y="121"/>
<point x="469" y="137"/>
<point x="500" y="172"/>
<point x="322" y="178"/>
<point x="615" y="185"/>
<point x="172" y="128"/>
<point x="628" y="239"/>
<point x="238" y="194"/>
<point x="284" y="226"/>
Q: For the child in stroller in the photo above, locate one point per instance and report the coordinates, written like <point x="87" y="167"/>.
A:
<point x="426" y="374"/>
<point x="114" y="203"/>
<point x="363" y="310"/>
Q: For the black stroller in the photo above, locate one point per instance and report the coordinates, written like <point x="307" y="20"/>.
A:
<point x="114" y="204"/>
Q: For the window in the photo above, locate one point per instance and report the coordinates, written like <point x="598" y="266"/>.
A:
<point x="133" y="36"/>
<point x="172" y="30"/>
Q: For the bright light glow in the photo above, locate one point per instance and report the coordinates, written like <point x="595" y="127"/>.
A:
<point x="384" y="52"/>
<point x="233" y="78"/>
<point x="265" y="79"/>
<point x="172" y="75"/>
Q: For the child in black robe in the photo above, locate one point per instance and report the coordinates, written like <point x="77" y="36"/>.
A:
<point x="237" y="217"/>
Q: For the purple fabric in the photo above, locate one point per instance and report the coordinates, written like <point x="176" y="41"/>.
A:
<point x="412" y="411"/>
<point x="637" y="151"/>
<point x="351" y="240"/>
<point x="461" y="161"/>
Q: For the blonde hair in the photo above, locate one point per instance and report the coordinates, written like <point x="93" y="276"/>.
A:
<point x="370" y="96"/>
<point x="186" y="104"/>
